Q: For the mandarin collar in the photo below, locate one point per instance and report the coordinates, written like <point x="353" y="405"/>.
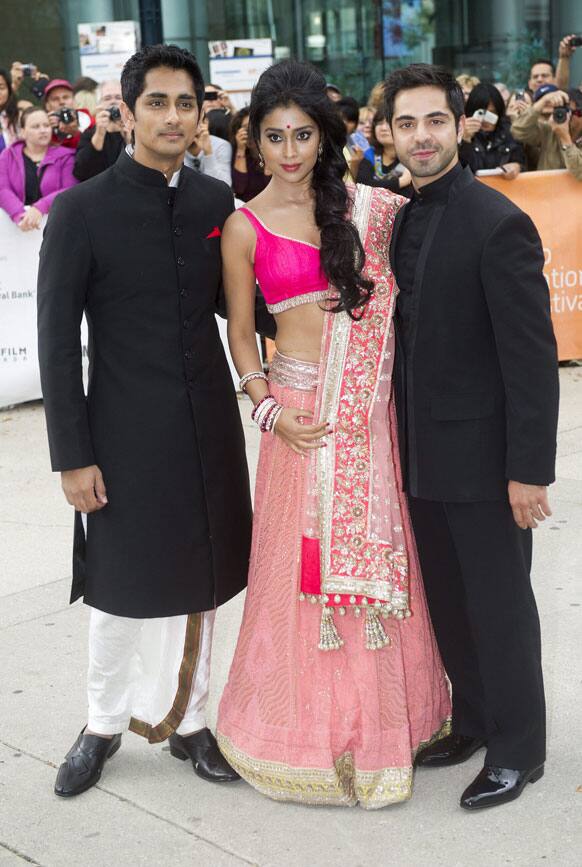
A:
<point x="438" y="191"/>
<point x="139" y="173"/>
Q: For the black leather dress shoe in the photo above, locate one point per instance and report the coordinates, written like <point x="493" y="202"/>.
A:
<point x="450" y="750"/>
<point x="202" y="750"/>
<point x="84" y="762"/>
<point x="493" y="786"/>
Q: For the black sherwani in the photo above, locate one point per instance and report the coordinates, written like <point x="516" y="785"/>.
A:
<point x="476" y="386"/>
<point x="160" y="419"/>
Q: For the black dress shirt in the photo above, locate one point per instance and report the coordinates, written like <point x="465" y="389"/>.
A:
<point x="412" y="232"/>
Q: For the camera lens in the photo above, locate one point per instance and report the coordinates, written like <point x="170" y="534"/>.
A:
<point x="114" y="113"/>
<point x="560" y="114"/>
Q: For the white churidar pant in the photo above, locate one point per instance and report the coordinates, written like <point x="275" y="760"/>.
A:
<point x="151" y="675"/>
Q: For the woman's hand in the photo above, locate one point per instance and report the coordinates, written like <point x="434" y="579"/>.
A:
<point x="511" y="171"/>
<point x="405" y="179"/>
<point x="472" y="127"/>
<point x="31" y="220"/>
<point x="302" y="438"/>
<point x="241" y="138"/>
<point x="355" y="162"/>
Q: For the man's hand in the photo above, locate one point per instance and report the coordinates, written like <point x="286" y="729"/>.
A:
<point x="31" y="220"/>
<point x="203" y="139"/>
<point x="529" y="504"/>
<point x="64" y="129"/>
<point x="561" y="131"/>
<point x="566" y="48"/>
<point x="84" y="489"/>
<point x="551" y="100"/>
<point x="103" y="125"/>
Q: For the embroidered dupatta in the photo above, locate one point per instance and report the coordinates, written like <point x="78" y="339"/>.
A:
<point x="353" y="546"/>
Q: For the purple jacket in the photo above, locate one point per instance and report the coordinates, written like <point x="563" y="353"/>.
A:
<point x="57" y="176"/>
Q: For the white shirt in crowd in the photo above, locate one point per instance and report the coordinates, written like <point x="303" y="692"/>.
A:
<point x="217" y="164"/>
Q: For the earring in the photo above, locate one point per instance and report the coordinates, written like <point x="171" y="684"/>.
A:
<point x="261" y="160"/>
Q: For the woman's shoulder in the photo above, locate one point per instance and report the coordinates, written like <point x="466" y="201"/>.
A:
<point x="13" y="150"/>
<point x="58" y="153"/>
<point x="237" y="226"/>
<point x="382" y="198"/>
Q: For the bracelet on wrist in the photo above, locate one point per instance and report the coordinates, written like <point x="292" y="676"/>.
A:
<point x="249" y="377"/>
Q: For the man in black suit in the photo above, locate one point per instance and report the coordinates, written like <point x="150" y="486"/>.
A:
<point x="155" y="454"/>
<point x="476" y="387"/>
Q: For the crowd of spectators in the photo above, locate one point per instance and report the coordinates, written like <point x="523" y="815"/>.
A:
<point x="54" y="134"/>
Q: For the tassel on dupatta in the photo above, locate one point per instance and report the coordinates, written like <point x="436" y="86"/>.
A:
<point x="353" y="552"/>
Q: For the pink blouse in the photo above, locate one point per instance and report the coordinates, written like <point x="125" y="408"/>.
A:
<point x="288" y="271"/>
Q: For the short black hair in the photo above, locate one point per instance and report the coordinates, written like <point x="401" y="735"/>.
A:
<point x="545" y="60"/>
<point x="152" y="57"/>
<point x="424" y="75"/>
<point x="349" y="109"/>
<point x="575" y="95"/>
<point x="480" y="97"/>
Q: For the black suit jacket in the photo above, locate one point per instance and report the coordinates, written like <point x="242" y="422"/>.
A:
<point x="160" y="418"/>
<point x="476" y="380"/>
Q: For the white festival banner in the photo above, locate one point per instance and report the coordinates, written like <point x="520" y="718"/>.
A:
<point x="19" y="371"/>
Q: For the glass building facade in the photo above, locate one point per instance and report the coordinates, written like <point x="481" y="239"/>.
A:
<point x="355" y="42"/>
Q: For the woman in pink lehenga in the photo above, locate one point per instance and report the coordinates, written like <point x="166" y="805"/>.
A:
<point x="336" y="680"/>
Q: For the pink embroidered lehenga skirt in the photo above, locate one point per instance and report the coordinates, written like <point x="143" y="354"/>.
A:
<point x="322" y="727"/>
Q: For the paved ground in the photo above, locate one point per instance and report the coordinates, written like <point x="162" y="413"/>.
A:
<point x="150" y="810"/>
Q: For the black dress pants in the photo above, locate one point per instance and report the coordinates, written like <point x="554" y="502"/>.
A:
<point x="476" y="570"/>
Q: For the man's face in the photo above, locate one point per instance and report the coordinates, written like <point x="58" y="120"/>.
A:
<point x="111" y="94"/>
<point x="424" y="131"/>
<point x="541" y="73"/>
<point x="60" y="97"/>
<point x="165" y="117"/>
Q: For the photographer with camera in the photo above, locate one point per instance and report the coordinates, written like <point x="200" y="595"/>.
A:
<point x="218" y="111"/>
<point x="67" y="121"/>
<point x="487" y="141"/>
<point x="33" y="171"/>
<point x="101" y="144"/>
<point x="554" y="125"/>
<point x="27" y="74"/>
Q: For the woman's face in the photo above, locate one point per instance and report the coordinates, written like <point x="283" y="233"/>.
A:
<point x="365" y="124"/>
<point x="489" y="127"/>
<point x="383" y="133"/>
<point x="4" y="92"/>
<point x="289" y="142"/>
<point x="37" y="131"/>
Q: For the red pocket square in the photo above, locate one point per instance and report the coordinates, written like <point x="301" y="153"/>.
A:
<point x="216" y="233"/>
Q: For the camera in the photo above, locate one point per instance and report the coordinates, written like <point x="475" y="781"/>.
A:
<point x="210" y="95"/>
<point x="520" y="95"/>
<point x="560" y="114"/>
<point x="67" y="115"/>
<point x="28" y="69"/>
<point x="114" y="113"/>
<point x="576" y="41"/>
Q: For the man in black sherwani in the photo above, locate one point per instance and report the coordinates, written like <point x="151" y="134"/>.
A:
<point x="476" y="386"/>
<point x="155" y="454"/>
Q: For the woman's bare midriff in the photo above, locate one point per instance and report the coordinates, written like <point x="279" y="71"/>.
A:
<point x="299" y="332"/>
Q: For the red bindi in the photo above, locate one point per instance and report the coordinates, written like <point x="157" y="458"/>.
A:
<point x="288" y="126"/>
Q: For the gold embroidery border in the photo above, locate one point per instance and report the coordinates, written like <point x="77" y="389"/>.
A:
<point x="188" y="667"/>
<point x="342" y="786"/>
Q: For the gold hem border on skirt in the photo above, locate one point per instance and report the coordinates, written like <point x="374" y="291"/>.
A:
<point x="343" y="785"/>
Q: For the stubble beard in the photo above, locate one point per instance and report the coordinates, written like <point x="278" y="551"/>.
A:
<point x="443" y="159"/>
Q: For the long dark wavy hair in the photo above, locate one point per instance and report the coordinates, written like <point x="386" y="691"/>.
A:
<point x="342" y="254"/>
<point x="10" y="107"/>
